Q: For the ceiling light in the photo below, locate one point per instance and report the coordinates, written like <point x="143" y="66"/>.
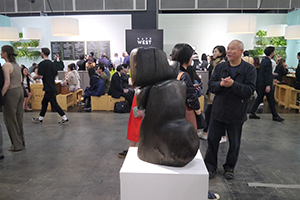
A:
<point x="9" y="34"/>
<point x="292" y="32"/>
<point x="276" y="30"/>
<point x="32" y="33"/>
<point x="64" y="26"/>
<point x="241" y="24"/>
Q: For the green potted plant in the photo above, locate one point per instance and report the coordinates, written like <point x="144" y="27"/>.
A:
<point x="261" y="33"/>
<point x="282" y="41"/>
<point x="34" y="43"/>
<point x="16" y="45"/>
<point x="34" y="55"/>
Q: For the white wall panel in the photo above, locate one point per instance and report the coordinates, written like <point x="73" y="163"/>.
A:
<point x="91" y="28"/>
<point x="206" y="31"/>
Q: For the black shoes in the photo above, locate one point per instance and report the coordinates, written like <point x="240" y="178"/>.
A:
<point x="36" y="120"/>
<point x="123" y="154"/>
<point x="1" y="157"/>
<point x="253" y="116"/>
<point x="64" y="121"/>
<point x="228" y="174"/>
<point x="278" y="119"/>
<point x="212" y="174"/>
<point x="87" y="109"/>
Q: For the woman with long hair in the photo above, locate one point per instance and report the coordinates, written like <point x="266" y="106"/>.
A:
<point x="12" y="92"/>
<point x="280" y="71"/>
<point x="183" y="53"/>
<point x="219" y="54"/>
<point x="26" y="84"/>
<point x="204" y="62"/>
<point x="72" y="78"/>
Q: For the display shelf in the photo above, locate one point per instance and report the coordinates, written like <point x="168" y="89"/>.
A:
<point x="29" y="47"/>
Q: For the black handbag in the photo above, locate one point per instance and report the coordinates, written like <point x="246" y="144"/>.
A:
<point x="201" y="123"/>
<point x="122" y="107"/>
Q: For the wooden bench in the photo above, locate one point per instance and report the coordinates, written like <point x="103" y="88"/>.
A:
<point x="76" y="96"/>
<point x="284" y="93"/>
<point x="104" y="102"/>
<point x="294" y="99"/>
<point x="65" y="100"/>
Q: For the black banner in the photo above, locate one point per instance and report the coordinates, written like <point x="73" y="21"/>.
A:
<point x="144" y="37"/>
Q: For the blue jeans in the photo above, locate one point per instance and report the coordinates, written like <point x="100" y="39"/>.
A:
<point x="199" y="92"/>
<point x="216" y="130"/>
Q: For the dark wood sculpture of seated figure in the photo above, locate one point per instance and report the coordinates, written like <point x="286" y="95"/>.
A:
<point x="166" y="137"/>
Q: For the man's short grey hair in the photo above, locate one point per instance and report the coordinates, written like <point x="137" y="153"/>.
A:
<point x="240" y="43"/>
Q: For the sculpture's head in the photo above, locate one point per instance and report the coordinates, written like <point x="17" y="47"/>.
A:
<point x="150" y="65"/>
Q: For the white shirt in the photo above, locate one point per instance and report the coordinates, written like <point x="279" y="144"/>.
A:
<point x="117" y="61"/>
<point x="273" y="65"/>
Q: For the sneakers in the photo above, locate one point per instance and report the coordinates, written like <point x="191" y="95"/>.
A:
<point x="253" y="116"/>
<point x="278" y="119"/>
<point x="213" y="196"/>
<point x="36" y="120"/>
<point x="202" y="136"/>
<point x="228" y="174"/>
<point x="223" y="140"/>
<point x="64" y="121"/>
<point x="123" y="154"/>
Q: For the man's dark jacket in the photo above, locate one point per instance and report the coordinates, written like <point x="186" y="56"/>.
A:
<point x="116" y="87"/>
<point x="265" y="76"/>
<point x="230" y="104"/>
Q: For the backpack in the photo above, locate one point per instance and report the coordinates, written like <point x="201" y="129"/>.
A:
<point x="122" y="107"/>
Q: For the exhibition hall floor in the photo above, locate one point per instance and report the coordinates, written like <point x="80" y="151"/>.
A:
<point x="79" y="160"/>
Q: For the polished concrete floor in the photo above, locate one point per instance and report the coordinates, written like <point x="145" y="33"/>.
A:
<point x="79" y="160"/>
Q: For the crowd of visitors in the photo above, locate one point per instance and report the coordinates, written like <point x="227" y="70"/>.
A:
<point x="233" y="79"/>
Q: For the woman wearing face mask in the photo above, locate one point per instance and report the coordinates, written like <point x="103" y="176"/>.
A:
<point x="219" y="54"/>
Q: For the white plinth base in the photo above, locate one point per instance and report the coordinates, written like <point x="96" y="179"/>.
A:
<point x="146" y="181"/>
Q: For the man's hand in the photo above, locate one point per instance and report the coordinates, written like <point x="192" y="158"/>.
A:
<point x="268" y="89"/>
<point x="125" y="90"/>
<point x="226" y="82"/>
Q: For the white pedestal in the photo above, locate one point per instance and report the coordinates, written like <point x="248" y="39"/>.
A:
<point x="143" y="180"/>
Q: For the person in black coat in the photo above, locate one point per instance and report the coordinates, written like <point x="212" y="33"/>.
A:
<point x="281" y="70"/>
<point x="81" y="63"/>
<point x="265" y="86"/>
<point x="116" y="89"/>
<point x="233" y="83"/>
<point x="96" y="88"/>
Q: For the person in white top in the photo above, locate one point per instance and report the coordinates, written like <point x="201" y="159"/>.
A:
<point x="35" y="76"/>
<point x="116" y="61"/>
